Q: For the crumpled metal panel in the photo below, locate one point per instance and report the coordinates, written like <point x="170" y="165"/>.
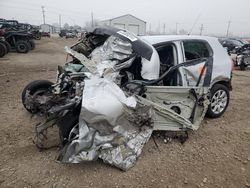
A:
<point x="111" y="127"/>
<point x="113" y="49"/>
<point x="89" y="64"/>
<point x="192" y="74"/>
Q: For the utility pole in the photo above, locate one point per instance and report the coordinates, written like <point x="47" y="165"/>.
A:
<point x="164" y="29"/>
<point x="92" y="19"/>
<point x="201" y="29"/>
<point x="60" y="21"/>
<point x="43" y="14"/>
<point x="176" y="28"/>
<point x="228" y="27"/>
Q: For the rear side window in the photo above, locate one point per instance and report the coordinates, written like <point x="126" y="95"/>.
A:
<point x="195" y="50"/>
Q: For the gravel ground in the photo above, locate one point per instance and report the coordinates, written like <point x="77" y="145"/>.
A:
<point x="217" y="155"/>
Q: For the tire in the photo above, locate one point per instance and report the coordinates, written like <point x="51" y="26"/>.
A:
<point x="37" y="36"/>
<point x="242" y="66"/>
<point x="219" y="101"/>
<point x="33" y="88"/>
<point x="8" y="47"/>
<point x="3" y="50"/>
<point x="32" y="44"/>
<point x="22" y="46"/>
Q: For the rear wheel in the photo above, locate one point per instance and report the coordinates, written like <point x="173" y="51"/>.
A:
<point x="219" y="101"/>
<point x="242" y="66"/>
<point x="22" y="46"/>
<point x="34" y="89"/>
<point x="8" y="47"/>
<point x="3" y="50"/>
<point x="38" y="36"/>
<point x="32" y="44"/>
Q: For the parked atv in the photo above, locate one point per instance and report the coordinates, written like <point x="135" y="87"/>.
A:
<point x="32" y="29"/>
<point x="4" y="47"/>
<point x="20" y="41"/>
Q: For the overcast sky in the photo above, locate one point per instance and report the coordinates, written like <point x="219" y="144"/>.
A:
<point x="213" y="14"/>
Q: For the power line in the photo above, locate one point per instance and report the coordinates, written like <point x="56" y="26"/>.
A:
<point x="47" y="7"/>
<point x="198" y="17"/>
<point x="18" y="7"/>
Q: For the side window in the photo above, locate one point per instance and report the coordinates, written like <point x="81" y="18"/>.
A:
<point x="168" y="58"/>
<point x="195" y="50"/>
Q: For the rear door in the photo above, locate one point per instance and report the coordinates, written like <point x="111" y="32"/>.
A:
<point x="181" y="108"/>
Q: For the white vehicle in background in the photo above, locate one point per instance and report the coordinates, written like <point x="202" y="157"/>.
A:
<point x="71" y="34"/>
<point x="174" y="50"/>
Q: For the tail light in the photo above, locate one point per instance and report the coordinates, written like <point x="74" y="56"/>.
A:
<point x="2" y="31"/>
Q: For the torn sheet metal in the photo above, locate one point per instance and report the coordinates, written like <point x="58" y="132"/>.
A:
<point x="111" y="127"/>
<point x="113" y="49"/>
<point x="192" y="74"/>
<point x="140" y="47"/>
<point x="119" y="46"/>
<point x="115" y="54"/>
<point x="89" y="64"/>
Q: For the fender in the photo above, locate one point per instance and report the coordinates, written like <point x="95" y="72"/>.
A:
<point x="222" y="80"/>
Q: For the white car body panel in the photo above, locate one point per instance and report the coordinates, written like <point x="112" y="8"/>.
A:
<point x="222" y="65"/>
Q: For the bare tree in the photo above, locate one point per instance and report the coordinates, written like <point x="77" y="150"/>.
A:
<point x="66" y="26"/>
<point x="89" y="23"/>
<point x="183" y="32"/>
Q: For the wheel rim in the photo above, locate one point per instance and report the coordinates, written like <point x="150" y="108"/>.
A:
<point x="22" y="47"/>
<point x="219" y="101"/>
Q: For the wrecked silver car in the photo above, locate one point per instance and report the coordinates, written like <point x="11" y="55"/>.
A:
<point x="108" y="100"/>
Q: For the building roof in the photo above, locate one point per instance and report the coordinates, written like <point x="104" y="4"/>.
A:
<point x="124" y="16"/>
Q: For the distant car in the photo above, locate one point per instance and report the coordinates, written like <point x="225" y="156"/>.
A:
<point x="231" y="44"/>
<point x="71" y="35"/>
<point x="174" y="50"/>
<point x="248" y="40"/>
<point x="68" y="33"/>
<point x="239" y="50"/>
<point x="45" y="34"/>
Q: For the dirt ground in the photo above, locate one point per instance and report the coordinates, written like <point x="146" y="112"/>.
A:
<point x="217" y="155"/>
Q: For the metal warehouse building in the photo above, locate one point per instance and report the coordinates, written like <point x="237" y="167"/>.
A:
<point x="128" y="22"/>
<point x="48" y="28"/>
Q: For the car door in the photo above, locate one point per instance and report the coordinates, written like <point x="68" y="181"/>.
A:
<point x="181" y="108"/>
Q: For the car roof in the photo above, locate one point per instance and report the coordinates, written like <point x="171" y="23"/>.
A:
<point x="167" y="38"/>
